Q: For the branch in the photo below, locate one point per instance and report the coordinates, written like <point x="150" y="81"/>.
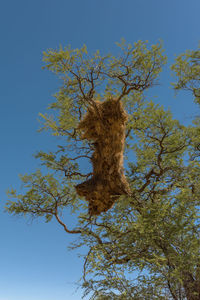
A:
<point x="65" y="227"/>
<point x="63" y="224"/>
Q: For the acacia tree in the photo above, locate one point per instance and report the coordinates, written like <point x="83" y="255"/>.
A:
<point x="147" y="246"/>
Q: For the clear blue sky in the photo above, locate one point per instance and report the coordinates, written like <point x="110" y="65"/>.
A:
<point x="34" y="261"/>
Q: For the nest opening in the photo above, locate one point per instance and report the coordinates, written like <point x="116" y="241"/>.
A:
<point x="105" y="125"/>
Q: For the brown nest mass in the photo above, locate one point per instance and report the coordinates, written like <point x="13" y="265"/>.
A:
<point x="104" y="124"/>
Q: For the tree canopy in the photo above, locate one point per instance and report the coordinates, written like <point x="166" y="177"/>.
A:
<point x="147" y="246"/>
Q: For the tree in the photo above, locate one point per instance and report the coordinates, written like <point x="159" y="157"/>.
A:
<point x="147" y="246"/>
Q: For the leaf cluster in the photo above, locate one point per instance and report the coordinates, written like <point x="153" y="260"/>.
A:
<point x="147" y="246"/>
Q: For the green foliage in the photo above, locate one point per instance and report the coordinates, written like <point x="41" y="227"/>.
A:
<point x="46" y="196"/>
<point x="187" y="69"/>
<point x="86" y="78"/>
<point x="147" y="246"/>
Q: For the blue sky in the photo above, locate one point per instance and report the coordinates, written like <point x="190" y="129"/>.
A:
<point x="34" y="261"/>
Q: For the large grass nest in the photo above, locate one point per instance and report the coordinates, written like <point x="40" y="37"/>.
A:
<point x="105" y="125"/>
